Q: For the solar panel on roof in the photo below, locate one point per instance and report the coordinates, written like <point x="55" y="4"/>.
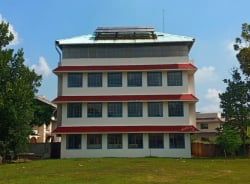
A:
<point x="110" y="33"/>
<point x="124" y="29"/>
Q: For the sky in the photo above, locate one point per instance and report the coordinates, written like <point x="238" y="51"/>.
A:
<point x="213" y="23"/>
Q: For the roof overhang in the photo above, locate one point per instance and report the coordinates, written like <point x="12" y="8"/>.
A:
<point x="186" y="67"/>
<point x="124" y="129"/>
<point x="121" y="98"/>
<point x="159" y="37"/>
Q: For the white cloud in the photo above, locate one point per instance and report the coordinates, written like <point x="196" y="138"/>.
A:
<point x="15" y="41"/>
<point x="205" y="74"/>
<point x="211" y="100"/>
<point x="213" y="95"/>
<point x="211" y="108"/>
<point x="42" y="67"/>
<point x="230" y="47"/>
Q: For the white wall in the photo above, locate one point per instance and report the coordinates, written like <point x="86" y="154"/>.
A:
<point x="125" y="152"/>
<point x="125" y="120"/>
<point x="123" y="61"/>
<point x="124" y="90"/>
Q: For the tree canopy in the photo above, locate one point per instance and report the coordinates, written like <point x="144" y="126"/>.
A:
<point x="18" y="85"/>
<point x="243" y="46"/>
<point x="235" y="104"/>
<point x="229" y="139"/>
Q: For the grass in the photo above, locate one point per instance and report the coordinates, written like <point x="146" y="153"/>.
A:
<point x="127" y="170"/>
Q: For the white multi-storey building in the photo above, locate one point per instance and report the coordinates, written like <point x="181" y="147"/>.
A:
<point x="125" y="92"/>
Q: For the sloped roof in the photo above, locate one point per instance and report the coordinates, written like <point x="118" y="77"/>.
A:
<point x="188" y="66"/>
<point x="90" y="39"/>
<point x="44" y="100"/>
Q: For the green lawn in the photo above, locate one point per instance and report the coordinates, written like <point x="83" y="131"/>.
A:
<point x="127" y="170"/>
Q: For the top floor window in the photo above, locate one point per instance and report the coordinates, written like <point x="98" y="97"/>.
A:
<point x="74" y="79"/>
<point x="134" y="79"/>
<point x="203" y="126"/>
<point x="174" y="78"/>
<point x="115" y="79"/>
<point x="154" y="78"/>
<point x="95" y="79"/>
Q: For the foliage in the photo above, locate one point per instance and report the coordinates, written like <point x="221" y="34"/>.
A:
<point x="42" y="113"/>
<point x="127" y="171"/>
<point x="243" y="46"/>
<point x="235" y="103"/>
<point x="17" y="88"/>
<point x="229" y="140"/>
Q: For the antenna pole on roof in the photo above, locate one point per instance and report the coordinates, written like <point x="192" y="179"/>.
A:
<point x="163" y="21"/>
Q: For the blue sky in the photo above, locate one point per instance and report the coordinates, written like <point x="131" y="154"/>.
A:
<point x="213" y="23"/>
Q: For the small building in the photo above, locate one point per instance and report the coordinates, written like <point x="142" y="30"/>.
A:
<point x="125" y="92"/>
<point x="43" y="133"/>
<point x="207" y="124"/>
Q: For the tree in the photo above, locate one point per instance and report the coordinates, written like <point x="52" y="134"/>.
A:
<point x="42" y="113"/>
<point x="18" y="85"/>
<point x="243" y="46"/>
<point x="229" y="140"/>
<point x="235" y="103"/>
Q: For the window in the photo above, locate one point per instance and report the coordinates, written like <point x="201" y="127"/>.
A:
<point x="134" y="79"/>
<point x="94" y="141"/>
<point x="156" y="140"/>
<point x="115" y="79"/>
<point x="73" y="141"/>
<point x="155" y="109"/>
<point x="114" y="109"/>
<point x="135" y="140"/>
<point x="134" y="109"/>
<point x="177" y="140"/>
<point x="154" y="78"/>
<point x="74" y="79"/>
<point x="175" y="109"/>
<point x="94" y="79"/>
<point x="174" y="78"/>
<point x="114" y="141"/>
<point x="94" y="110"/>
<point x="203" y="126"/>
<point x="74" y="110"/>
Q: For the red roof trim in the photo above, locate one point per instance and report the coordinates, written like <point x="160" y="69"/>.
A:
<point x="188" y="66"/>
<point x="123" y="129"/>
<point x="180" y="97"/>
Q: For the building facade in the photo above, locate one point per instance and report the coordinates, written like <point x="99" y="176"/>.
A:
<point x="125" y="92"/>
<point x="207" y="123"/>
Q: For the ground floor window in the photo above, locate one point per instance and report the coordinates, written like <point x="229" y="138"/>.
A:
<point x="156" y="140"/>
<point x="73" y="141"/>
<point x="94" y="141"/>
<point x="114" y="141"/>
<point x="135" y="140"/>
<point x="177" y="140"/>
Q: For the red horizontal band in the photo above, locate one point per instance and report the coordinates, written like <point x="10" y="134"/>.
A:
<point x="123" y="129"/>
<point x="180" y="97"/>
<point x="188" y="66"/>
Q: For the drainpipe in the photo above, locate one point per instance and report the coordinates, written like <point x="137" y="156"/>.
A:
<point x="59" y="53"/>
